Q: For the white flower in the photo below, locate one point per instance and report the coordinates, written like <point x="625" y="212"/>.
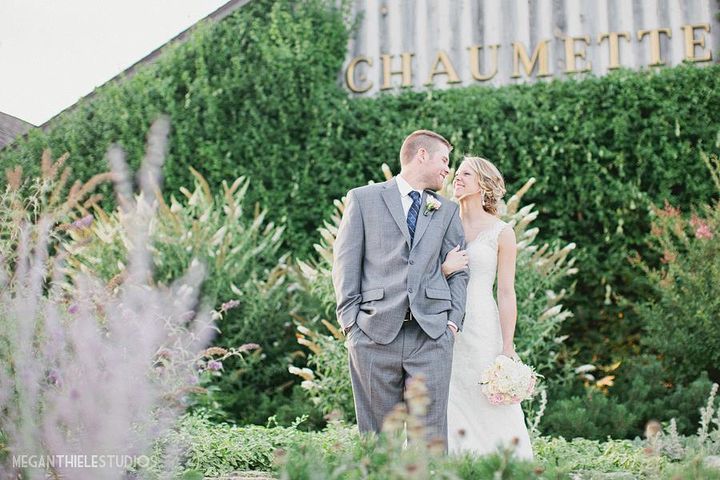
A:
<point x="309" y="385"/>
<point x="585" y="368"/>
<point x="305" y="373"/>
<point x="508" y="381"/>
<point x="431" y="203"/>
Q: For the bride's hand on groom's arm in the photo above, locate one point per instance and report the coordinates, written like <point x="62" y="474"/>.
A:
<point x="455" y="260"/>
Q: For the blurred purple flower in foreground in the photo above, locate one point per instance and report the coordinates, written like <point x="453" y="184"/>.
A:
<point x="53" y="378"/>
<point x="214" y="365"/>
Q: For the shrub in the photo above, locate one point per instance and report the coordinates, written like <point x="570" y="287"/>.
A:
<point x="680" y="319"/>
<point x="644" y="385"/>
<point x="592" y="416"/>
<point x="630" y="394"/>
<point x="584" y="458"/>
<point x="25" y="202"/>
<point x="236" y="245"/>
<point x="388" y="455"/>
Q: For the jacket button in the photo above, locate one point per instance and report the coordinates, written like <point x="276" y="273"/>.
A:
<point x="409" y="290"/>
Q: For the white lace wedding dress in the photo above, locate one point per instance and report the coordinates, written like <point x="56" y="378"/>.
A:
<point x="474" y="424"/>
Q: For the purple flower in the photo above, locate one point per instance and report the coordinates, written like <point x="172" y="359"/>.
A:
<point x="229" y="305"/>
<point x="53" y="378"/>
<point x="73" y="309"/>
<point x="83" y="222"/>
<point x="164" y="353"/>
<point x="214" y="365"/>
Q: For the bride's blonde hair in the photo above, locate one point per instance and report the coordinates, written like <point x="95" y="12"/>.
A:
<point x="490" y="181"/>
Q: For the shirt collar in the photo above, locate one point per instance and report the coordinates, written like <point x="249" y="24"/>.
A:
<point x="404" y="186"/>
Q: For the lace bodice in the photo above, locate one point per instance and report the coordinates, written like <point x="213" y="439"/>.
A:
<point x="482" y="259"/>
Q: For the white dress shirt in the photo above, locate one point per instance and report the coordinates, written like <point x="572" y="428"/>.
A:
<point x="405" y="190"/>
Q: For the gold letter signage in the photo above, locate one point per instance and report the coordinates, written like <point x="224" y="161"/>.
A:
<point x="483" y="63"/>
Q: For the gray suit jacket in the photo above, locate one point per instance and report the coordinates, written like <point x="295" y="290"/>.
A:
<point x="377" y="275"/>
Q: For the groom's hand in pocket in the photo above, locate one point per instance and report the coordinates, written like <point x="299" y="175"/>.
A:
<point x="453" y="328"/>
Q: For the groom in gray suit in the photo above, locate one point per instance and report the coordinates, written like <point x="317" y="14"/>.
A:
<point x="398" y="311"/>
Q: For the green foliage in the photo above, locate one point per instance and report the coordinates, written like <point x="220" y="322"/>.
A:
<point x="256" y="390"/>
<point x="326" y="379"/>
<point x="84" y="368"/>
<point x="542" y="272"/>
<point x="695" y="469"/>
<point x="594" y="456"/>
<point x="643" y="385"/>
<point x="26" y="207"/>
<point x="26" y="201"/>
<point x="216" y="449"/>
<point x="253" y="94"/>
<point x="212" y="228"/>
<point x="399" y="452"/>
<point x="592" y="416"/>
<point x="338" y="452"/>
<point x="686" y="297"/>
<point x="379" y="459"/>
<point x="641" y="392"/>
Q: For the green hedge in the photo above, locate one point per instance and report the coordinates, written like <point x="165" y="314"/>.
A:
<point x="248" y="95"/>
<point x="259" y="94"/>
<point x="602" y="149"/>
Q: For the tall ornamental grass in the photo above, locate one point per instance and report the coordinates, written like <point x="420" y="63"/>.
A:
<point x="92" y="369"/>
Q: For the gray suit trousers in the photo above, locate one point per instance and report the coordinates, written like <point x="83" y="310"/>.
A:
<point x="379" y="372"/>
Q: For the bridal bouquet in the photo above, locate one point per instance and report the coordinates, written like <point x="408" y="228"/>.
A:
<point x="508" y="381"/>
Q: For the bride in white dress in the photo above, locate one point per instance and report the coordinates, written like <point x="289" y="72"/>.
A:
<point x="474" y="424"/>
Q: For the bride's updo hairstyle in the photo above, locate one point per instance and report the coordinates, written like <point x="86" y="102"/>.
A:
<point x="490" y="181"/>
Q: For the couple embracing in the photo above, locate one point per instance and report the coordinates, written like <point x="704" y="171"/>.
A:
<point x="413" y="276"/>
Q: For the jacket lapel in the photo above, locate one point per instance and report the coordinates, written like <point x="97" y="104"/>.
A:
<point x="423" y="220"/>
<point x="391" y="196"/>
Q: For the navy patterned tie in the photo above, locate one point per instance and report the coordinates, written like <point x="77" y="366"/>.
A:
<point x="412" y="215"/>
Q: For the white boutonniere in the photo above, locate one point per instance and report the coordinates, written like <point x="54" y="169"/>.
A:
<point x="431" y="204"/>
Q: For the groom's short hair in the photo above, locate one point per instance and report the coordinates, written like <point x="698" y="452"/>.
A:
<point x="426" y="139"/>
